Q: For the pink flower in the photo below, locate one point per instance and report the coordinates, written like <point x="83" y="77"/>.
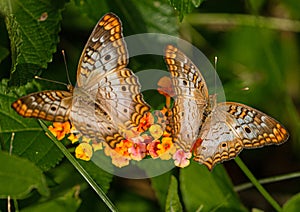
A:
<point x="181" y="158"/>
<point x="138" y="149"/>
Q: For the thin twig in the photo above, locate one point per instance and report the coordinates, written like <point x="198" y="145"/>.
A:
<point x="274" y="179"/>
<point x="223" y="19"/>
<point x="258" y="186"/>
<point x="80" y="169"/>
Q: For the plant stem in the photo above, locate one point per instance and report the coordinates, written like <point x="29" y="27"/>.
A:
<point x="225" y="19"/>
<point x="80" y="169"/>
<point x="259" y="187"/>
<point x="273" y="179"/>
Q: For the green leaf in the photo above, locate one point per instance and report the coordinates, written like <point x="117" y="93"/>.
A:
<point x="18" y="177"/>
<point x="29" y="139"/>
<point x="160" y="184"/>
<point x="256" y="5"/>
<point x="102" y="177"/>
<point x="210" y="191"/>
<point x="173" y="201"/>
<point x="68" y="202"/>
<point x="80" y="169"/>
<point x="4" y="52"/>
<point x="185" y="6"/>
<point x="153" y="16"/>
<point x="93" y="9"/>
<point x="137" y="16"/>
<point x="292" y="204"/>
<point x="33" y="28"/>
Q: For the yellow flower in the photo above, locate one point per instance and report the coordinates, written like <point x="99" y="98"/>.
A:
<point x="166" y="148"/>
<point x="97" y="146"/>
<point x="59" y="130"/>
<point x="84" y="151"/>
<point x="74" y="138"/>
<point x="166" y="144"/>
<point x="85" y="139"/>
<point x="156" y="131"/>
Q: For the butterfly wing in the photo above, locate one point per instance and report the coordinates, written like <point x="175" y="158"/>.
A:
<point x="191" y="97"/>
<point x="233" y="126"/>
<point x="119" y="95"/>
<point x="104" y="83"/>
<point x="104" y="51"/>
<point x="90" y="117"/>
<point x="48" y="105"/>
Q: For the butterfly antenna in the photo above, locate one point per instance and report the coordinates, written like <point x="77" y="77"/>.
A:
<point x="216" y="61"/>
<point x="48" y="80"/>
<point x="65" y="61"/>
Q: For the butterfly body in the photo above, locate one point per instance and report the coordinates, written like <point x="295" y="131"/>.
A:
<point x="222" y="130"/>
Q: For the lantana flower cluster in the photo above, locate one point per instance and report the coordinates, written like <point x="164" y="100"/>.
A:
<point x="149" y="139"/>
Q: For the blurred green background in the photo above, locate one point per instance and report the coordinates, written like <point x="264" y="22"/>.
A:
<point x="257" y="45"/>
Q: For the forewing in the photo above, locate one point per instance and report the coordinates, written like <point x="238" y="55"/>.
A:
<point x="104" y="83"/>
<point x="104" y="51"/>
<point x="191" y="97"/>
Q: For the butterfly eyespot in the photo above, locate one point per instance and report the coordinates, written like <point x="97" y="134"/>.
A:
<point x="88" y="125"/>
<point x="182" y="113"/>
<point x="109" y="128"/>
<point x="53" y="108"/>
<point x="125" y="110"/>
<point x="107" y="57"/>
<point x="184" y="82"/>
<point x="223" y="145"/>
<point x="247" y="129"/>
<point x="203" y="148"/>
<point x="123" y="88"/>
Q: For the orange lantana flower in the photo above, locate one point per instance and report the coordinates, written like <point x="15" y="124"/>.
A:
<point x="146" y="121"/>
<point x="122" y="148"/>
<point x="59" y="130"/>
